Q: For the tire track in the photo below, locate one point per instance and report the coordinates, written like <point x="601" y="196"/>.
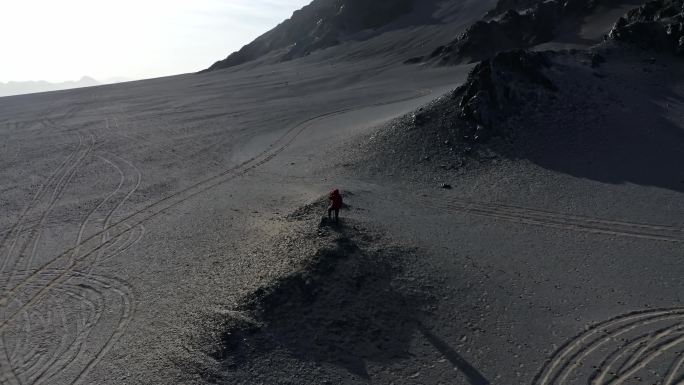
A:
<point x="535" y="217"/>
<point x="93" y="211"/>
<point x="128" y="310"/>
<point x="44" y="365"/>
<point x="616" y="351"/>
<point x="36" y="372"/>
<point x="129" y="243"/>
<point x="107" y="222"/>
<point x="75" y="258"/>
<point x="76" y="348"/>
<point x="17" y="227"/>
<point x="152" y="210"/>
<point x="64" y="181"/>
<point x="82" y="228"/>
<point x="76" y="353"/>
<point x="15" y="351"/>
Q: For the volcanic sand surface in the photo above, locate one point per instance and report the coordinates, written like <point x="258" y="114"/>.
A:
<point x="131" y="211"/>
<point x="93" y="288"/>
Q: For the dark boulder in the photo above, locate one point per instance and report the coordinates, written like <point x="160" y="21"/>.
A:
<point x="496" y="86"/>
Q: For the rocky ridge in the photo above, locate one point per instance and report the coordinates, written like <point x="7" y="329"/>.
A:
<point x="345" y="304"/>
<point x="321" y="24"/>
<point x="519" y="24"/>
<point x="469" y="122"/>
<point x="483" y="118"/>
<point x="658" y="24"/>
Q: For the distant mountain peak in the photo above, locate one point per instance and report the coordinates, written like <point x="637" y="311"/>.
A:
<point x="29" y="87"/>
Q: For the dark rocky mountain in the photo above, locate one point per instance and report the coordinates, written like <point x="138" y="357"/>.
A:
<point x="555" y="106"/>
<point x="464" y="120"/>
<point x="321" y="24"/>
<point x="441" y="31"/>
<point x="518" y="24"/>
<point x="657" y="24"/>
<point x="499" y="87"/>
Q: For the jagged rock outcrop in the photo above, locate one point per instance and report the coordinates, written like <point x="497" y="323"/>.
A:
<point x="469" y="121"/>
<point x="658" y="24"/>
<point x="521" y="24"/>
<point x="496" y="87"/>
<point x="494" y="90"/>
<point x="322" y="24"/>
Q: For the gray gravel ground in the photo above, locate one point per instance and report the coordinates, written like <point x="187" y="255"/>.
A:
<point x="167" y="231"/>
<point x="130" y="211"/>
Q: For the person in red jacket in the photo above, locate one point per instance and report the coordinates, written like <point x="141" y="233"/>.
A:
<point x="335" y="204"/>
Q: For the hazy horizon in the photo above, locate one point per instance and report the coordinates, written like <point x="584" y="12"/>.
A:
<point x="65" y="41"/>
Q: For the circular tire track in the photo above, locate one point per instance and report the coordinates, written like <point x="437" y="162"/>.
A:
<point x="87" y="313"/>
<point x="628" y="349"/>
<point x="78" y="305"/>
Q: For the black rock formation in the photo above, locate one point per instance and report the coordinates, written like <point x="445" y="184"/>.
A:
<point x="496" y="87"/>
<point x="521" y="24"/>
<point x="494" y="90"/>
<point x="469" y="121"/>
<point x="658" y="24"/>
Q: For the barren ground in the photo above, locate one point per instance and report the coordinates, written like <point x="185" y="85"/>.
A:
<point x="166" y="231"/>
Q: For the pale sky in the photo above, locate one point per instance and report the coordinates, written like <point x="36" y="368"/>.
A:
<point x="59" y="40"/>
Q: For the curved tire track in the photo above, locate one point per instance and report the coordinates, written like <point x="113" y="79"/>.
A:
<point x="152" y="210"/>
<point x="616" y="351"/>
<point x="49" y="278"/>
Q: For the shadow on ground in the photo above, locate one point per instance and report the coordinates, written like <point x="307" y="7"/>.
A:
<point x="609" y="116"/>
<point x="358" y="304"/>
<point x="348" y="307"/>
<point x="625" y="140"/>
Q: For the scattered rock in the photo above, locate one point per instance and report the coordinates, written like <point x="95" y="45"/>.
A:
<point x="420" y="117"/>
<point x="345" y="307"/>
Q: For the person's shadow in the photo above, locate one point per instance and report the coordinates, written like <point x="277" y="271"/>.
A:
<point x="469" y="371"/>
<point x="347" y="309"/>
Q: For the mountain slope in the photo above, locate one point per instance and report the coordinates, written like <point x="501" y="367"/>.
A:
<point x="321" y="24"/>
<point x="526" y="24"/>
<point x="586" y="113"/>
<point x="455" y="31"/>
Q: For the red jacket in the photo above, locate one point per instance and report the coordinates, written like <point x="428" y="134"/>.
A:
<point x="335" y="200"/>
